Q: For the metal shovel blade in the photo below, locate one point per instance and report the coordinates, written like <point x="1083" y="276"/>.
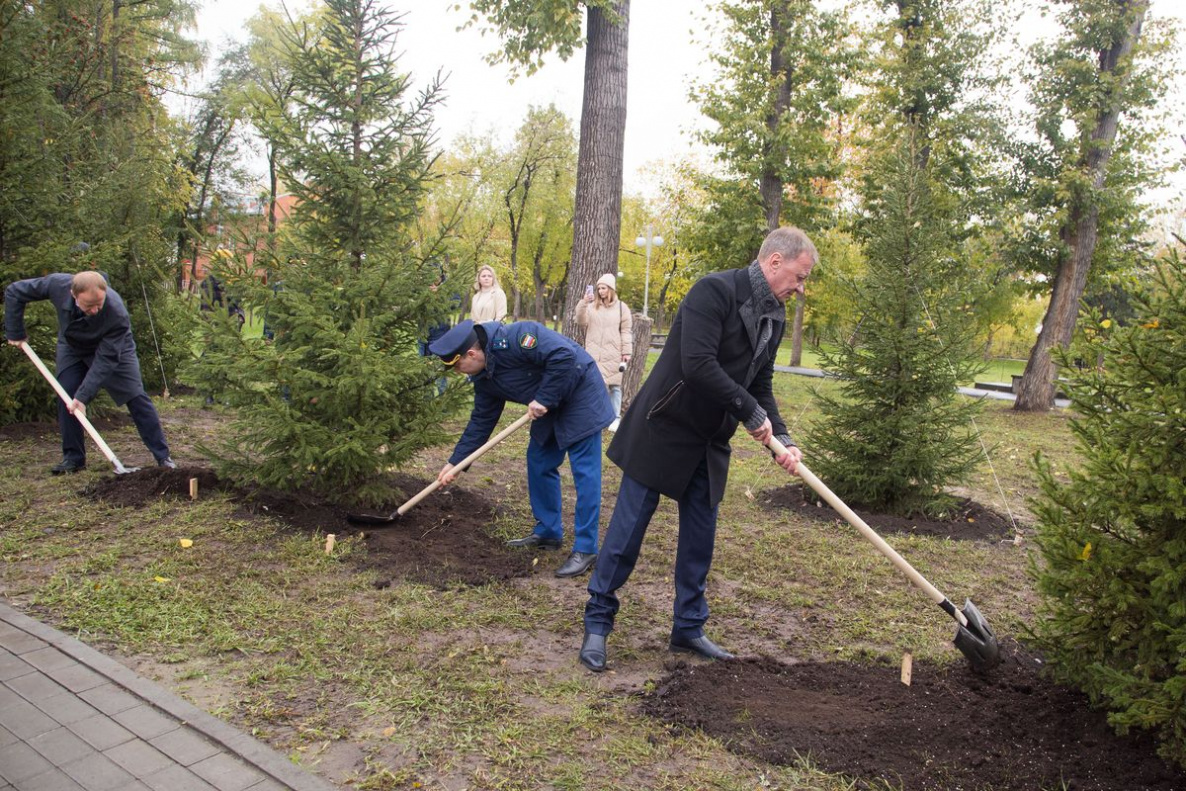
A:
<point x="373" y="519"/>
<point x="976" y="641"/>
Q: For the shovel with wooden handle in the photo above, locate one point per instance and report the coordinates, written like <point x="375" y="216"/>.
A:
<point x="120" y="469"/>
<point x="384" y="519"/>
<point x="973" y="636"/>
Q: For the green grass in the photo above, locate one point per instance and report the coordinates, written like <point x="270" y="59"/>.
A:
<point x="479" y="687"/>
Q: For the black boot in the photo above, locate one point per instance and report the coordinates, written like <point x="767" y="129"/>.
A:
<point x="577" y="563"/>
<point x="593" y="652"/>
<point x="698" y="645"/>
<point x="67" y="466"/>
<point x="535" y="540"/>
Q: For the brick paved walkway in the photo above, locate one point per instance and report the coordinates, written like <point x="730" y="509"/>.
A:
<point x="71" y="718"/>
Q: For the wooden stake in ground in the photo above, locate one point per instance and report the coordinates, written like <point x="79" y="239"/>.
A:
<point x="329" y="543"/>
<point x="193" y="488"/>
<point x="907" y="667"/>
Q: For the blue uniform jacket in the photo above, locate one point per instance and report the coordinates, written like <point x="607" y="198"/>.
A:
<point x="526" y="362"/>
<point x="103" y="342"/>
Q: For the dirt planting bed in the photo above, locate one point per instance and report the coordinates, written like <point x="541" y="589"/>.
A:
<point x="969" y="521"/>
<point x="443" y="541"/>
<point x="1008" y="730"/>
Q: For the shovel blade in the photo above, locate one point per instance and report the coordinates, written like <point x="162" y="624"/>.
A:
<point x="372" y="519"/>
<point x="976" y="641"/>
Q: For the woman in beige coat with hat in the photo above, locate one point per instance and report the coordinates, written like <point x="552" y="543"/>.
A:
<point x="608" y="336"/>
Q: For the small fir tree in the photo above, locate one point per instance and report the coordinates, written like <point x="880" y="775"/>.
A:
<point x="1112" y="535"/>
<point x="338" y="393"/>
<point x="899" y="433"/>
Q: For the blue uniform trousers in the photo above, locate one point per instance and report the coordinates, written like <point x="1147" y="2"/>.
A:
<point x="144" y="415"/>
<point x="623" y="540"/>
<point x="543" y="487"/>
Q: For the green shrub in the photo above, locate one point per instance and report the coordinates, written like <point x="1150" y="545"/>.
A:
<point x="1112" y="534"/>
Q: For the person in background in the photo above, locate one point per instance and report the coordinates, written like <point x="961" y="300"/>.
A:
<point x="715" y="372"/>
<point x="95" y="350"/>
<point x="489" y="301"/>
<point x="528" y="363"/>
<point x="609" y="336"/>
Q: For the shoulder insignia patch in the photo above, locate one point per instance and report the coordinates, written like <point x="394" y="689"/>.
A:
<point x="527" y="341"/>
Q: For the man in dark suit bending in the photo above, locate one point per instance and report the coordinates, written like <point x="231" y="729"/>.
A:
<point x="715" y="372"/>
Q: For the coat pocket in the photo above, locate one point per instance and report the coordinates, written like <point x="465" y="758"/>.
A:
<point x="665" y="400"/>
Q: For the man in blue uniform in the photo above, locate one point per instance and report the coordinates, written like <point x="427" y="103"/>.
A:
<point x="95" y="349"/>
<point x="715" y="372"/>
<point x="528" y="363"/>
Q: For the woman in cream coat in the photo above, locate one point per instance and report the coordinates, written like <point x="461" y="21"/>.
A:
<point x="608" y="336"/>
<point x="489" y="302"/>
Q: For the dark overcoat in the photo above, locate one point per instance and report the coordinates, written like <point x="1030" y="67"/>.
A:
<point x="525" y="362"/>
<point x="705" y="381"/>
<point x="102" y="342"/>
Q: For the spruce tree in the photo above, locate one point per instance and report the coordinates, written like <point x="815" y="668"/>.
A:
<point x="338" y="392"/>
<point x="898" y="432"/>
<point x="1112" y="534"/>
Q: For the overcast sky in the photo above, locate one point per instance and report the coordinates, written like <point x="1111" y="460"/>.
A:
<point x="663" y="59"/>
<point x="479" y="97"/>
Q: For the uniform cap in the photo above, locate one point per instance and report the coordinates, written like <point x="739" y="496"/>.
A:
<point x="454" y="343"/>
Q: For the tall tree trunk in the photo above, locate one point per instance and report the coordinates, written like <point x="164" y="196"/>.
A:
<point x="771" y="184"/>
<point x="797" y="334"/>
<point x="1035" y="391"/>
<point x="597" y="221"/>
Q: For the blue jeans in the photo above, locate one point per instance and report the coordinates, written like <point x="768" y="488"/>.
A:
<point x="543" y="489"/>
<point x="623" y="541"/>
<point x="615" y="397"/>
<point x="144" y="415"/>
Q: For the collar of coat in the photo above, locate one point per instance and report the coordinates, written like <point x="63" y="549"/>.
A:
<point x="761" y="311"/>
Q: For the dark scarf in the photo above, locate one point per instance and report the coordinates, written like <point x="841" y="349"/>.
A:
<point x="759" y="314"/>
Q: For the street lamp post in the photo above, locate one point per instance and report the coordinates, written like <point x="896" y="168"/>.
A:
<point x="648" y="241"/>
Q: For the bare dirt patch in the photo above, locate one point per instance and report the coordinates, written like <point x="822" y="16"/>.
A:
<point x="969" y="521"/>
<point x="443" y="541"/>
<point x="951" y="728"/>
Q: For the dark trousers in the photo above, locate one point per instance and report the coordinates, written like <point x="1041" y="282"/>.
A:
<point x="141" y="408"/>
<point x="543" y="489"/>
<point x="623" y="541"/>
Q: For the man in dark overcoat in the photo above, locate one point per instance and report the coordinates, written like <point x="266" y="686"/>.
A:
<point x="715" y="372"/>
<point x="95" y="350"/>
<point x="560" y="383"/>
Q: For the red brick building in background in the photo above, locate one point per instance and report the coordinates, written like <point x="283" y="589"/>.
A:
<point x="240" y="231"/>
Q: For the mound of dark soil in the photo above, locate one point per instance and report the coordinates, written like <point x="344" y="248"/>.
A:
<point x="29" y="430"/>
<point x="1008" y="730"/>
<point x="137" y="489"/>
<point x="443" y="541"/>
<point x="969" y="521"/>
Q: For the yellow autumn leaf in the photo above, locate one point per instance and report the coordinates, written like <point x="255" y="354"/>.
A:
<point x="389" y="731"/>
<point x="1152" y="325"/>
<point x="186" y="543"/>
<point x="1106" y="323"/>
<point x="162" y="579"/>
<point x="1086" y="553"/>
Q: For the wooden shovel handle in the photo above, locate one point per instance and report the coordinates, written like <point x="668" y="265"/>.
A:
<point x="823" y="491"/>
<point x="53" y="380"/>
<point x="468" y="460"/>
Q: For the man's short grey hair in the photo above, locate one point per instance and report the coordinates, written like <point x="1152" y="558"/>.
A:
<point x="790" y="242"/>
<point x="87" y="281"/>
